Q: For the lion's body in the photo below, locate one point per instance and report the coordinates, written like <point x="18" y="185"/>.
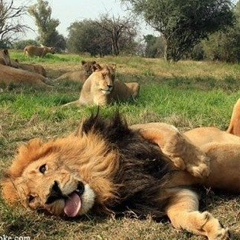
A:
<point x="32" y="51"/>
<point x="13" y="72"/>
<point x="223" y="149"/>
<point x="88" y="67"/>
<point x="134" y="88"/>
<point x="10" y="75"/>
<point x="102" y="89"/>
<point x="35" y="68"/>
<point x="123" y="92"/>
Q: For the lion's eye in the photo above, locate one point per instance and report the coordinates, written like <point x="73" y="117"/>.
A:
<point x="43" y="168"/>
<point x="31" y="199"/>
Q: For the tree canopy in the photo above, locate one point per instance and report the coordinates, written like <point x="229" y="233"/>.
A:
<point x="184" y="23"/>
<point x="120" y="31"/>
<point x="48" y="35"/>
<point x="224" y="45"/>
<point x="10" y="21"/>
<point x="102" y="37"/>
<point x="86" y="36"/>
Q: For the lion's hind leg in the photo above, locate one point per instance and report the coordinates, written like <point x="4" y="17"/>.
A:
<point x="184" y="214"/>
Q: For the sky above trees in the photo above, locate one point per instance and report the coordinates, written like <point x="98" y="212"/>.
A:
<point x="68" y="12"/>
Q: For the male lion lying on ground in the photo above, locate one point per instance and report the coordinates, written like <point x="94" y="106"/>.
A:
<point x="32" y="51"/>
<point x="109" y="167"/>
<point x="102" y="89"/>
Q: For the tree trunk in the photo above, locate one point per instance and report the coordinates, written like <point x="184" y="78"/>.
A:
<point x="171" y="52"/>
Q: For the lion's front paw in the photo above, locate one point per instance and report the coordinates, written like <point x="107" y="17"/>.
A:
<point x="201" y="170"/>
<point x="213" y="228"/>
<point x="223" y="234"/>
<point x="197" y="169"/>
<point x="178" y="162"/>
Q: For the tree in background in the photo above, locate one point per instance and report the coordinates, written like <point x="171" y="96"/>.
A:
<point x="20" y="45"/>
<point x="48" y="35"/>
<point x="10" y="22"/>
<point x="121" y="32"/>
<point x="86" y="36"/>
<point x="184" y="23"/>
<point x="225" y="45"/>
<point x="154" y="46"/>
<point x="100" y="37"/>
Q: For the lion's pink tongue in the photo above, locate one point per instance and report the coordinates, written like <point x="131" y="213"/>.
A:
<point x="72" y="205"/>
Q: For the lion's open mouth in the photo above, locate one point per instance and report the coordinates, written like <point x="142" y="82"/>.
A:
<point x="73" y="202"/>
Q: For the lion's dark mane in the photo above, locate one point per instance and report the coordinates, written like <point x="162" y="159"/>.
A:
<point x="144" y="169"/>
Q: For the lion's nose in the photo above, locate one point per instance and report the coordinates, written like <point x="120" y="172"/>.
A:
<point x="54" y="194"/>
<point x="56" y="189"/>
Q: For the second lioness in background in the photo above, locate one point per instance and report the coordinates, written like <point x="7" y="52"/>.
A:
<point x="87" y="68"/>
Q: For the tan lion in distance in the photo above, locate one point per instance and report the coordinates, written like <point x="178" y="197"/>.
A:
<point x="36" y="68"/>
<point x="32" y="51"/>
<point x="88" y="67"/>
<point x="102" y="89"/>
<point x="147" y="169"/>
<point x="13" y="72"/>
<point x="16" y="76"/>
<point x="6" y="60"/>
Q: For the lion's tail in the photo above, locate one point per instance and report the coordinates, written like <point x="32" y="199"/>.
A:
<point x="76" y="103"/>
<point x="234" y="125"/>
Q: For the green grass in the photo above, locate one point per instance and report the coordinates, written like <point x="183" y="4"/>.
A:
<point x="49" y="58"/>
<point x="186" y="94"/>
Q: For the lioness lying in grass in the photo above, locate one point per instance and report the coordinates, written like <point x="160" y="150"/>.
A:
<point x="88" y="67"/>
<point x="13" y="72"/>
<point x="102" y="89"/>
<point x="35" y="68"/>
<point x="15" y="76"/>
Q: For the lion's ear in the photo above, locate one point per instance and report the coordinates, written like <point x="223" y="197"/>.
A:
<point x="83" y="62"/>
<point x="113" y="66"/>
<point x="5" y="51"/>
<point x="96" y="67"/>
